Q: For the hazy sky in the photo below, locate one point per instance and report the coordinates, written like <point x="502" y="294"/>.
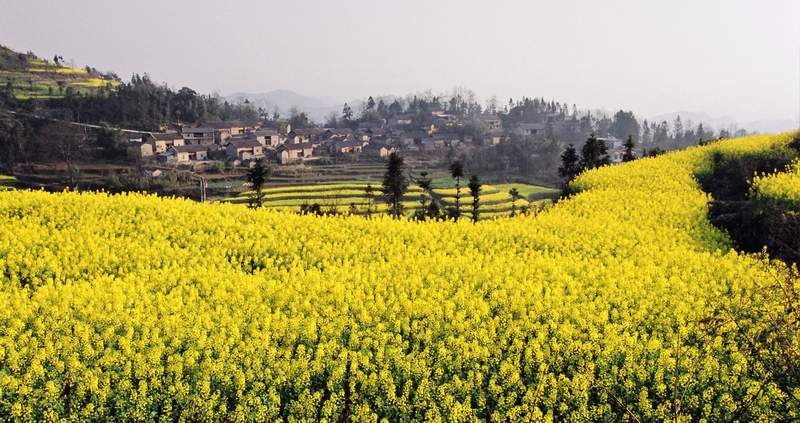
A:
<point x="723" y="57"/>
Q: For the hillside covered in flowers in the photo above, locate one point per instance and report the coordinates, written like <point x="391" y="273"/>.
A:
<point x="618" y="303"/>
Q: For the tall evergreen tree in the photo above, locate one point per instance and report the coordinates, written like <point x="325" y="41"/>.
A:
<point x="369" y="194"/>
<point x="457" y="172"/>
<point x="258" y="176"/>
<point x="395" y="185"/>
<point x="594" y="153"/>
<point x="514" y="193"/>
<point x="475" y="192"/>
<point x="570" y="164"/>
<point x="347" y="113"/>
<point x="424" y="183"/>
<point x="629" y="155"/>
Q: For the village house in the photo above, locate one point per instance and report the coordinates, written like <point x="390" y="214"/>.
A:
<point x="244" y="149"/>
<point x="491" y="122"/>
<point x="400" y="120"/>
<point x="348" y="146"/>
<point x="161" y="142"/>
<point x="379" y="150"/>
<point x="531" y="129"/>
<point x="440" y="141"/>
<point x="494" y="138"/>
<point x="185" y="153"/>
<point x="139" y="150"/>
<point x="337" y="133"/>
<point x="268" y="137"/>
<point x="300" y="136"/>
<point x="201" y="135"/>
<point x="225" y="130"/>
<point x="288" y="153"/>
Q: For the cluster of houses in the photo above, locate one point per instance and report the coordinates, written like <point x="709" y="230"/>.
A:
<point x="242" y="143"/>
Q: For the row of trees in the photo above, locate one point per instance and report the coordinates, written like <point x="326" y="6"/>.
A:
<point x="394" y="186"/>
<point x="594" y="153"/>
<point x="141" y="104"/>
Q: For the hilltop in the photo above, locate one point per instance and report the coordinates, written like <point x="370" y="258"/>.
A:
<point x="27" y="76"/>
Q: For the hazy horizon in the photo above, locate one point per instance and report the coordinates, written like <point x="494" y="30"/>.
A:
<point x="724" y="58"/>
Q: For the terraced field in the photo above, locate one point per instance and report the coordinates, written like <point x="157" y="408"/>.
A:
<point x="7" y="182"/>
<point x="495" y="200"/>
<point x="40" y="79"/>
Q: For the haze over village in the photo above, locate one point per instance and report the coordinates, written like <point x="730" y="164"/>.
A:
<point x="414" y="211"/>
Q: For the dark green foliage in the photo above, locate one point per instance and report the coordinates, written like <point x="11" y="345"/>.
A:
<point x="142" y="104"/>
<point x="624" y="124"/>
<point x="369" y="195"/>
<point x="570" y="164"/>
<point x="752" y="223"/>
<point x="395" y="184"/>
<point x="795" y="144"/>
<point x="312" y="209"/>
<point x="424" y="182"/>
<point x="514" y="193"/>
<point x="457" y="172"/>
<point x="654" y="152"/>
<point x="475" y="191"/>
<point x="594" y="153"/>
<point x="629" y="155"/>
<point x="257" y="176"/>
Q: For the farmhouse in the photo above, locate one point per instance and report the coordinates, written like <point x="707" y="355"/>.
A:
<point x="348" y="146"/>
<point x="337" y="133"/>
<point x="201" y="135"/>
<point x="379" y="151"/>
<point x="400" y="120"/>
<point x="288" y="153"/>
<point x="491" y="122"/>
<point x="188" y="153"/>
<point x="225" y="130"/>
<point x="268" y="137"/>
<point x="161" y="142"/>
<point x="244" y="149"/>
<point x="300" y="136"/>
<point x="531" y="129"/>
<point x="140" y="150"/>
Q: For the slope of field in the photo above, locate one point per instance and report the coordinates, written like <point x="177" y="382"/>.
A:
<point x="29" y="77"/>
<point x="133" y="307"/>
<point x="780" y="187"/>
<point x="6" y="182"/>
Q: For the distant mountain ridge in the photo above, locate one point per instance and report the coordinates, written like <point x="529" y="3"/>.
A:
<point x="728" y="122"/>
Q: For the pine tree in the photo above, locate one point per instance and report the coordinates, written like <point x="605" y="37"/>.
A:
<point x="369" y="194"/>
<point x="594" y="153"/>
<point x="257" y="176"/>
<point x="457" y="172"/>
<point x="514" y="193"/>
<point x="395" y="185"/>
<point x="475" y="192"/>
<point x="570" y="164"/>
<point x="424" y="183"/>
<point x="347" y="113"/>
<point x="629" y="155"/>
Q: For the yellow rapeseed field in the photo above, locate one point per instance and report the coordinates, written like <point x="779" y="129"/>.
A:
<point x="783" y="187"/>
<point x="133" y="307"/>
